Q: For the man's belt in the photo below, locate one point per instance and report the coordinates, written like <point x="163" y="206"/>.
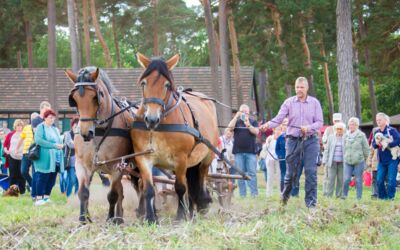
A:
<point x="301" y="137"/>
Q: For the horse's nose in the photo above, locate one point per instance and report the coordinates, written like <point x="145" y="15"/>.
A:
<point x="152" y="121"/>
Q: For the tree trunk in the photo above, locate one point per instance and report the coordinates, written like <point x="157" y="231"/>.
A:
<point x="328" y="89"/>
<point x="275" y="15"/>
<point x="225" y="65"/>
<point x="347" y="105"/>
<point x="212" y="48"/>
<point x="235" y="57"/>
<point x="72" y="35"/>
<point x="29" y="43"/>
<point x="263" y="97"/>
<point x="78" y="34"/>
<point x="103" y="43"/>
<point x="85" y="11"/>
<point x="19" y="60"/>
<point x="156" y="49"/>
<point x="371" y="85"/>
<point x="51" y="56"/>
<point x="307" y="60"/>
<point x="356" y="83"/>
<point x="116" y="43"/>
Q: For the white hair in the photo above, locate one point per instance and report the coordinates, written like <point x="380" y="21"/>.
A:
<point x="243" y="106"/>
<point x="384" y="116"/>
<point x="301" y="79"/>
<point x="354" y="120"/>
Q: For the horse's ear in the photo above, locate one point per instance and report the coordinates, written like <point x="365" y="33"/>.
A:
<point x="71" y="76"/>
<point x="172" y="62"/>
<point x="143" y="60"/>
<point x="94" y="75"/>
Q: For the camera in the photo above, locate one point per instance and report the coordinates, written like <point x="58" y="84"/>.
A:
<point x="243" y="117"/>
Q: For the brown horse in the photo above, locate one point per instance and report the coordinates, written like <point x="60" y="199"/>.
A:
<point x="168" y="114"/>
<point x="92" y="96"/>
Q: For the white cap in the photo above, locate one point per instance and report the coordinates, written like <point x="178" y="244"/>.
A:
<point x="337" y="117"/>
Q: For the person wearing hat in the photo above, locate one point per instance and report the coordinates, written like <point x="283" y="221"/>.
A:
<point x="336" y="118"/>
<point x="333" y="160"/>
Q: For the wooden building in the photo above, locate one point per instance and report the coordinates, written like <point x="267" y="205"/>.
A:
<point x="22" y="90"/>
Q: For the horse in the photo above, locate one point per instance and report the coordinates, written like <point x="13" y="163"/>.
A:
<point x="92" y="95"/>
<point x="166" y="121"/>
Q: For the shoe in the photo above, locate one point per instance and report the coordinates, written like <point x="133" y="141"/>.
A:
<point x="284" y="202"/>
<point x="40" y="202"/>
<point x="47" y="200"/>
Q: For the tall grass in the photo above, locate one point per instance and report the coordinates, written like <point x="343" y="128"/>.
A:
<point x="258" y="223"/>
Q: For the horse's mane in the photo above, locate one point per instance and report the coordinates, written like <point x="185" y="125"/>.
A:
<point x="84" y="76"/>
<point x="158" y="64"/>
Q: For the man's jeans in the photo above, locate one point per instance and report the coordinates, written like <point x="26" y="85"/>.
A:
<point x="282" y="165"/>
<point x="25" y="165"/>
<point x="387" y="171"/>
<point x="296" y="184"/>
<point x="296" y="151"/>
<point x="247" y="163"/>
<point x="357" y="170"/>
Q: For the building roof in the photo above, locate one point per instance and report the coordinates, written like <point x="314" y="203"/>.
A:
<point x="22" y="90"/>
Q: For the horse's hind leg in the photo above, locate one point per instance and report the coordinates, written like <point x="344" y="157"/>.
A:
<point x="84" y="178"/>
<point x="204" y="197"/>
<point x="115" y="197"/>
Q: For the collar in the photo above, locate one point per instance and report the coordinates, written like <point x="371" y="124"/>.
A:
<point x="298" y="100"/>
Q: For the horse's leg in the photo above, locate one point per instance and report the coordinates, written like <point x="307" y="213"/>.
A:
<point x="138" y="186"/>
<point x="204" y="197"/>
<point x="148" y="189"/>
<point x="115" y="197"/>
<point x="180" y="189"/>
<point x="84" y="179"/>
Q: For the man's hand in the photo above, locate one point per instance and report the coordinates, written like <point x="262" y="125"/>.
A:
<point x="304" y="129"/>
<point x="264" y="126"/>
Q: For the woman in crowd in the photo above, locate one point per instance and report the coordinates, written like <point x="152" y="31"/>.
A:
<point x="356" y="152"/>
<point x="51" y="158"/>
<point x="387" y="166"/>
<point x="69" y="154"/>
<point x="272" y="161"/>
<point x="14" y="152"/>
<point x="280" y="150"/>
<point x="333" y="160"/>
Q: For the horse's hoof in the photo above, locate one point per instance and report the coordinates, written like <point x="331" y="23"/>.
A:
<point x="116" y="220"/>
<point x="151" y="220"/>
<point x="84" y="219"/>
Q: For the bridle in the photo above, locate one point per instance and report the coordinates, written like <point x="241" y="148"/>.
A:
<point x="168" y="107"/>
<point x="80" y="86"/>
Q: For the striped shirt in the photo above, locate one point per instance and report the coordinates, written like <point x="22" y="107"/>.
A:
<point x="307" y="113"/>
<point x="338" y="152"/>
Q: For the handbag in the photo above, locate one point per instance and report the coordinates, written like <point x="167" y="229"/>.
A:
<point x="33" y="152"/>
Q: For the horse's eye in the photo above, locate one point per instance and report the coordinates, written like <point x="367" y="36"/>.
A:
<point x="142" y="83"/>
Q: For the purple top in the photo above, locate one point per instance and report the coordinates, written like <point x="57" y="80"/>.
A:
<point x="308" y="114"/>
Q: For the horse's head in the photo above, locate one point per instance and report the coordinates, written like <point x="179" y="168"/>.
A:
<point x="86" y="97"/>
<point x="157" y="87"/>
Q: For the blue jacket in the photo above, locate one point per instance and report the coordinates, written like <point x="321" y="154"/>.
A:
<point x="385" y="156"/>
<point x="280" y="147"/>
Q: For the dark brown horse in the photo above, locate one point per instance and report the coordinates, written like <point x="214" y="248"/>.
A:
<point x="92" y="96"/>
<point x="168" y="116"/>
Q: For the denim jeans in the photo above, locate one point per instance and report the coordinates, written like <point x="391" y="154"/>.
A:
<point x="263" y="168"/>
<point x="63" y="182"/>
<point x="300" y="151"/>
<point x="3" y="169"/>
<point x="34" y="178"/>
<point x="70" y="181"/>
<point x="357" y="170"/>
<point x="296" y="183"/>
<point x="282" y="165"/>
<point x="45" y="183"/>
<point x="247" y="163"/>
<point x="25" y="165"/>
<point x="387" y="171"/>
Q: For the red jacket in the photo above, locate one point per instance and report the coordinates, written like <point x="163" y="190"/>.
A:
<point x="6" y="145"/>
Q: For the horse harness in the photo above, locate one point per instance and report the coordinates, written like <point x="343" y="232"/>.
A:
<point x="183" y="128"/>
<point x="108" y="130"/>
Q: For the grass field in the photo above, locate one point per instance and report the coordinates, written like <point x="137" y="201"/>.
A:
<point x="250" y="224"/>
